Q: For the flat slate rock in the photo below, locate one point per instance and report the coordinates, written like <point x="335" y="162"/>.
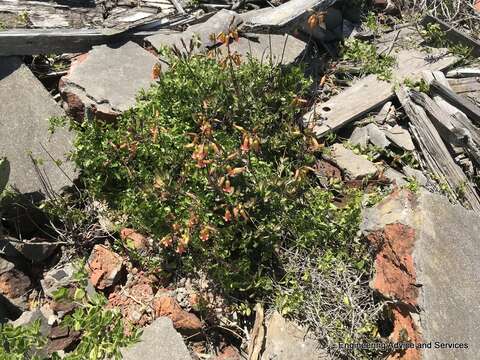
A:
<point x="359" y="136"/>
<point x="106" y="80"/>
<point x="159" y="341"/>
<point x="286" y="16"/>
<point x="285" y="340"/>
<point x="395" y="176"/>
<point x="279" y="49"/>
<point x="376" y="136"/>
<point x="25" y="107"/>
<point x="401" y="137"/>
<point x="204" y="34"/>
<point x="354" y="166"/>
<point x="265" y="47"/>
<point x="447" y="258"/>
<point x="370" y="93"/>
<point x="443" y="259"/>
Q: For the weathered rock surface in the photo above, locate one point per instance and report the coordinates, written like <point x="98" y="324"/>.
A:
<point x="401" y="137"/>
<point x="427" y="260"/>
<point x="57" y="278"/>
<point x="447" y="257"/>
<point x="25" y="107"/>
<point x="104" y="267"/>
<point x="229" y="353"/>
<point x="36" y="250"/>
<point x="159" y="341"/>
<point x="8" y="311"/>
<point x="11" y="301"/>
<point x="134" y="239"/>
<point x="359" y="136"/>
<point x="376" y="136"/>
<point x="15" y="285"/>
<point x="416" y="174"/>
<point x="183" y="321"/>
<point x="279" y="49"/>
<point x="62" y="338"/>
<point x="28" y="317"/>
<point x="106" y="80"/>
<point x="286" y="341"/>
<point x="291" y="14"/>
<point x="201" y="34"/>
<point x="133" y="298"/>
<point x="5" y="265"/>
<point x="355" y="166"/>
<point x="327" y="173"/>
<point x="395" y="176"/>
<point x="264" y="47"/>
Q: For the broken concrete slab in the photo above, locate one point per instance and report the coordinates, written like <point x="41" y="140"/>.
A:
<point x="37" y="160"/>
<point x="287" y="341"/>
<point x="105" y="81"/>
<point x="419" y="266"/>
<point x="400" y="137"/>
<point x="159" y="341"/>
<point x="354" y="166"/>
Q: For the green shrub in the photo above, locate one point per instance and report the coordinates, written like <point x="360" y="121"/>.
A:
<point x="436" y="37"/>
<point x="365" y="55"/>
<point x="209" y="162"/>
<point x="102" y="329"/>
<point x="20" y="342"/>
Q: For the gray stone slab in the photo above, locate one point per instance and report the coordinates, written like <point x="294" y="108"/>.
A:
<point x="285" y="340"/>
<point x="159" y="341"/>
<point x="25" y="107"/>
<point x="279" y="49"/>
<point x="354" y="166"/>
<point x="264" y="47"/>
<point x="107" y="79"/>
<point x="376" y="136"/>
<point x="400" y="137"/>
<point x="5" y="265"/>
<point x="204" y="34"/>
<point x="416" y="174"/>
<point x="286" y="16"/>
<point x="57" y="278"/>
<point x="359" y="136"/>
<point x="395" y="176"/>
<point x="447" y="258"/>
